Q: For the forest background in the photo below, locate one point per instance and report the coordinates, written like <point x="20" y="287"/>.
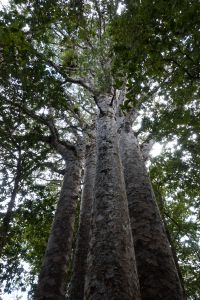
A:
<point x="47" y="49"/>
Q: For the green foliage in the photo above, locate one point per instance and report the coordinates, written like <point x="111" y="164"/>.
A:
<point x="158" y="42"/>
<point x="69" y="58"/>
<point x="178" y="198"/>
<point x="43" y="43"/>
<point x="26" y="237"/>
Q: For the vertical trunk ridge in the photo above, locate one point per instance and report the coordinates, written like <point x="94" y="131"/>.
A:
<point x="156" y="269"/>
<point x="82" y="245"/>
<point x="111" y="271"/>
<point x="52" y="279"/>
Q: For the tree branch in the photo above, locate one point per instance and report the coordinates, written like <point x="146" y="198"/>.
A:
<point x="53" y="168"/>
<point x="181" y="67"/>
<point x="60" y="146"/>
<point x="78" y="81"/>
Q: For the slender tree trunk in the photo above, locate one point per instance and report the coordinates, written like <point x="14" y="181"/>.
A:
<point x="82" y="244"/>
<point x="5" y="226"/>
<point x="171" y="242"/>
<point x="111" y="273"/>
<point x="52" y="279"/>
<point x="156" y="269"/>
<point x="175" y="259"/>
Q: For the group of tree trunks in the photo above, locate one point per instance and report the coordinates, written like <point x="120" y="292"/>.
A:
<point x="122" y="250"/>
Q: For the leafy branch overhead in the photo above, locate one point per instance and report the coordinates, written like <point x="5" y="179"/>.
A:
<point x="69" y="70"/>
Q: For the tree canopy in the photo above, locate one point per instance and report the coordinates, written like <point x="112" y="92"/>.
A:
<point x="53" y="57"/>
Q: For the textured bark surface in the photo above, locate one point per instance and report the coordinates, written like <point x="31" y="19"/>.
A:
<point x="52" y="278"/>
<point x="111" y="273"/>
<point x="82" y="244"/>
<point x="156" y="269"/>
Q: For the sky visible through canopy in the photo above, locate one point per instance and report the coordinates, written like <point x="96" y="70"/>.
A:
<point x="156" y="150"/>
<point x="3" y="2"/>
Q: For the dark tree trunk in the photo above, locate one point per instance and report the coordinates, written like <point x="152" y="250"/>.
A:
<point x="82" y="244"/>
<point x="4" y="230"/>
<point x="52" y="279"/>
<point x="162" y="211"/>
<point x="111" y="273"/>
<point x="156" y="269"/>
<point x="175" y="259"/>
<point x="161" y="205"/>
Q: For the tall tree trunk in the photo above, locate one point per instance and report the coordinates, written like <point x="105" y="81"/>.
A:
<point x="111" y="273"/>
<point x="52" y="279"/>
<point x="175" y="259"/>
<point x="82" y="244"/>
<point x="5" y="226"/>
<point x="156" y="269"/>
<point x="171" y="242"/>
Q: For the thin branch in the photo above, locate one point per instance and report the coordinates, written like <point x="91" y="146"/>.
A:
<point x="54" y="138"/>
<point x="78" y="81"/>
<point x="181" y="67"/>
<point x="53" y="168"/>
<point x="168" y="216"/>
<point x="186" y="54"/>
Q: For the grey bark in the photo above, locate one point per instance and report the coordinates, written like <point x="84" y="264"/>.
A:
<point x="52" y="279"/>
<point x="82" y="244"/>
<point x="156" y="269"/>
<point x="111" y="273"/>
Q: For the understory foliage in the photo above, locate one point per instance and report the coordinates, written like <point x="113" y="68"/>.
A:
<point x="53" y="55"/>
